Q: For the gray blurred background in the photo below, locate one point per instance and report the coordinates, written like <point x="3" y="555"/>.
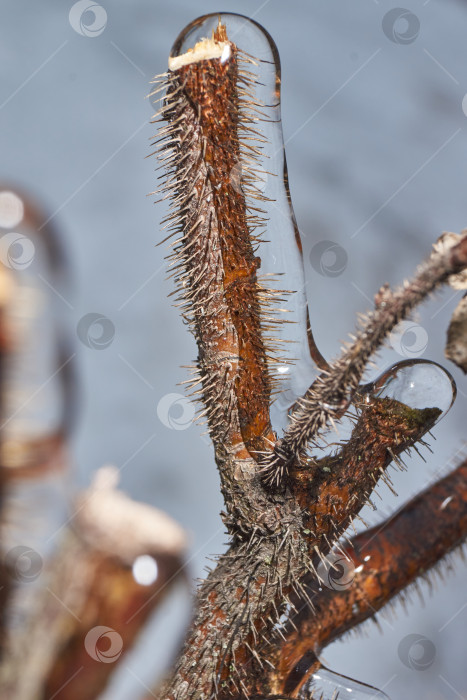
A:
<point x="377" y="150"/>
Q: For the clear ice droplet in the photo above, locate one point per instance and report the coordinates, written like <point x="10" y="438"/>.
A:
<point x="328" y="685"/>
<point x="281" y="251"/>
<point x="417" y="384"/>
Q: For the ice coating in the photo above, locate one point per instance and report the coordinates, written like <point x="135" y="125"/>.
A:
<point x="417" y="384"/>
<point x="280" y="250"/>
<point x="329" y="685"/>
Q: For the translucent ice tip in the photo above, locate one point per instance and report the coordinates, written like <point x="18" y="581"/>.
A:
<point x="327" y="685"/>
<point x="417" y="384"/>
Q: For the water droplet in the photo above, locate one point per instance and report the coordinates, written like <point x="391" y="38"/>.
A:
<point x="332" y="685"/>
<point x="417" y="384"/>
<point x="280" y="251"/>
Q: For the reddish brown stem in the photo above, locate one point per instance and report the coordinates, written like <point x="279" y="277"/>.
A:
<point x="219" y="279"/>
<point x="387" y="559"/>
<point x="333" y="489"/>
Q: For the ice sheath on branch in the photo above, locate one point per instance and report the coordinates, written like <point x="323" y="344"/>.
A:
<point x="285" y="509"/>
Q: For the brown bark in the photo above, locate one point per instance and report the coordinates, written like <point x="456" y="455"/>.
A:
<point x="381" y="562"/>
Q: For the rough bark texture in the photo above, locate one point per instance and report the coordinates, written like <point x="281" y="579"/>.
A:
<point x="237" y="631"/>
<point x="372" y="570"/>
<point x="456" y="346"/>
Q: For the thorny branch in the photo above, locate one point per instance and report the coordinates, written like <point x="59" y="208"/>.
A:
<point x="380" y="563"/>
<point x="332" y="393"/>
<point x="286" y="509"/>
